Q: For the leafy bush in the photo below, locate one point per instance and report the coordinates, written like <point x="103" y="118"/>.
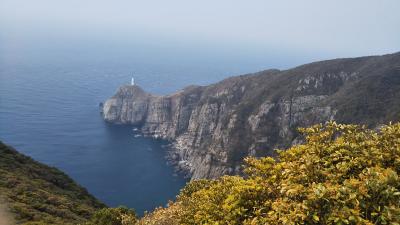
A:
<point x="342" y="174"/>
<point x="113" y="216"/>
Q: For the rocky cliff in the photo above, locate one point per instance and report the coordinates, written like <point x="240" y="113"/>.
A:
<point x="214" y="127"/>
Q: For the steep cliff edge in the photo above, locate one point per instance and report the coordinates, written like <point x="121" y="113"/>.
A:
<point x="214" y="127"/>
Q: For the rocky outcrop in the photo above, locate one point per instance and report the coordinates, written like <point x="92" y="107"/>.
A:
<point x="214" y="127"/>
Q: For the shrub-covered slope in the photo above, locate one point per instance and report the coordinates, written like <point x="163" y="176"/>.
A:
<point x="36" y="193"/>
<point x="342" y="174"/>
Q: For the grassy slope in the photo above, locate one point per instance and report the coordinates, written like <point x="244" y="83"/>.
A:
<point x="39" y="193"/>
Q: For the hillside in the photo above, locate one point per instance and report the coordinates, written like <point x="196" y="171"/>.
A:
<point x="35" y="192"/>
<point x="213" y="128"/>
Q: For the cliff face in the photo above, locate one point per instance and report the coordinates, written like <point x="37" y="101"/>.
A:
<point x="214" y="127"/>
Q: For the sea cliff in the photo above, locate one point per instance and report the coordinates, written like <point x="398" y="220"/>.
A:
<point x="212" y="128"/>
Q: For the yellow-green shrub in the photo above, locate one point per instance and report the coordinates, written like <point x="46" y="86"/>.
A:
<point x="113" y="216"/>
<point x="342" y="174"/>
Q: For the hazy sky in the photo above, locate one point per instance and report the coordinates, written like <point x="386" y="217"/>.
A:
<point x="330" y="28"/>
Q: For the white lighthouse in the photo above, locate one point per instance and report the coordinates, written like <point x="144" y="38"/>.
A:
<point x="133" y="81"/>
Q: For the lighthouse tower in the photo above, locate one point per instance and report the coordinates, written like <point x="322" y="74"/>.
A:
<point x="133" y="81"/>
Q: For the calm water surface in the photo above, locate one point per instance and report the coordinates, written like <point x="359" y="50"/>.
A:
<point x="51" y="84"/>
<point x="50" y="112"/>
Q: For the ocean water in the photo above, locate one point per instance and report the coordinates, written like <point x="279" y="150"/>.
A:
<point x="50" y="90"/>
<point x="49" y="110"/>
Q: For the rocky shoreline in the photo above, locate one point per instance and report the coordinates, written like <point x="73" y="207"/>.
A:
<point x="173" y="159"/>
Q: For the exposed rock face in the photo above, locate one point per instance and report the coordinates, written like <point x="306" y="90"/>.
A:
<point x="214" y="127"/>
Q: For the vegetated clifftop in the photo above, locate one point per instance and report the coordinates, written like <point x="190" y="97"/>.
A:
<point x="39" y="194"/>
<point x="214" y="127"/>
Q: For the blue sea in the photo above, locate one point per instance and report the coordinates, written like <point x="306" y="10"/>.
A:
<point x="49" y="110"/>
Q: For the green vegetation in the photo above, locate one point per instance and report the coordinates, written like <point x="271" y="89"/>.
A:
<point x="342" y="174"/>
<point x="113" y="216"/>
<point x="38" y="194"/>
